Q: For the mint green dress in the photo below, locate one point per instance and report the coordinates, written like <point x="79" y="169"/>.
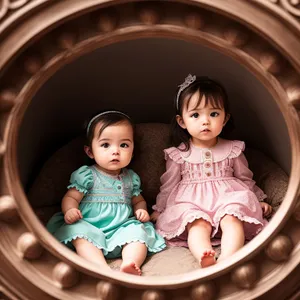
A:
<point x="108" y="221"/>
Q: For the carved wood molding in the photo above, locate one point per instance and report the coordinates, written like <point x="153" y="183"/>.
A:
<point x="290" y="6"/>
<point x="14" y="12"/>
<point x="57" y="33"/>
<point x="9" y="6"/>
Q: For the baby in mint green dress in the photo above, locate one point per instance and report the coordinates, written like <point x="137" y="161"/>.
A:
<point x="103" y="212"/>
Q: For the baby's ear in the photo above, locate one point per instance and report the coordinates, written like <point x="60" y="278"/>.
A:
<point x="226" y="119"/>
<point x="88" y="152"/>
<point x="180" y="122"/>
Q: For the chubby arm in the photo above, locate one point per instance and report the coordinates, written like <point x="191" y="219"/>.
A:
<point x="168" y="181"/>
<point x="70" y="205"/>
<point x="140" y="208"/>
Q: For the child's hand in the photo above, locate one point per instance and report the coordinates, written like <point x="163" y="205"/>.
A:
<point x="267" y="209"/>
<point x="72" y="215"/>
<point x="142" y="215"/>
<point x="154" y="216"/>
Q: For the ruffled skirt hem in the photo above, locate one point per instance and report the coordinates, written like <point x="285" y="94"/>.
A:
<point x="258" y="225"/>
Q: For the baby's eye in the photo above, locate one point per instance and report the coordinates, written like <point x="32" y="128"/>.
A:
<point x="105" y="145"/>
<point x="124" y="145"/>
<point x="214" y="114"/>
<point x="195" y="115"/>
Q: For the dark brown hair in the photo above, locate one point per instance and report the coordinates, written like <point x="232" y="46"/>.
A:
<point x="107" y="119"/>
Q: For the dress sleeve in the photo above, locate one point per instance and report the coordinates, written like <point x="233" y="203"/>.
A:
<point x="82" y="179"/>
<point x="136" y="183"/>
<point x="168" y="181"/>
<point x="242" y="172"/>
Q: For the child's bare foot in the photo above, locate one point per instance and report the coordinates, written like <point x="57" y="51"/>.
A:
<point x="130" y="267"/>
<point x="208" y="258"/>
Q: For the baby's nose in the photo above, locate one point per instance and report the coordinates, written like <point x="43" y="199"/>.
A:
<point x="205" y="121"/>
<point x="115" y="151"/>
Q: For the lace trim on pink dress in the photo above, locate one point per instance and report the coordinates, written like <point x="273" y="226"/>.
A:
<point x="202" y="215"/>
<point x="198" y="215"/>
<point x="243" y="218"/>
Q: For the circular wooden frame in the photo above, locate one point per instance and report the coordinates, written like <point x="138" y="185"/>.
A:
<point x="39" y="37"/>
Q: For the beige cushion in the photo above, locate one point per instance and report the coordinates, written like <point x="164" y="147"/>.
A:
<point x="162" y="263"/>
<point x="269" y="177"/>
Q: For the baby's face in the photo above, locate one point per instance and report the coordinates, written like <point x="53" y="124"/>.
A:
<point x="203" y="122"/>
<point x="113" y="149"/>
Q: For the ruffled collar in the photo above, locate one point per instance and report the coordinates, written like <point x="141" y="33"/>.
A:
<point x="217" y="153"/>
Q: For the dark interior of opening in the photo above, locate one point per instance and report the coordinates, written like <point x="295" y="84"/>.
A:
<point x="140" y="77"/>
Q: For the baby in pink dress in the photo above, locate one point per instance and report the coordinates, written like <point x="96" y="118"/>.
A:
<point x="207" y="190"/>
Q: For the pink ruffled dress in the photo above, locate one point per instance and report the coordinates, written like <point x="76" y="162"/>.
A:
<point x="208" y="184"/>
